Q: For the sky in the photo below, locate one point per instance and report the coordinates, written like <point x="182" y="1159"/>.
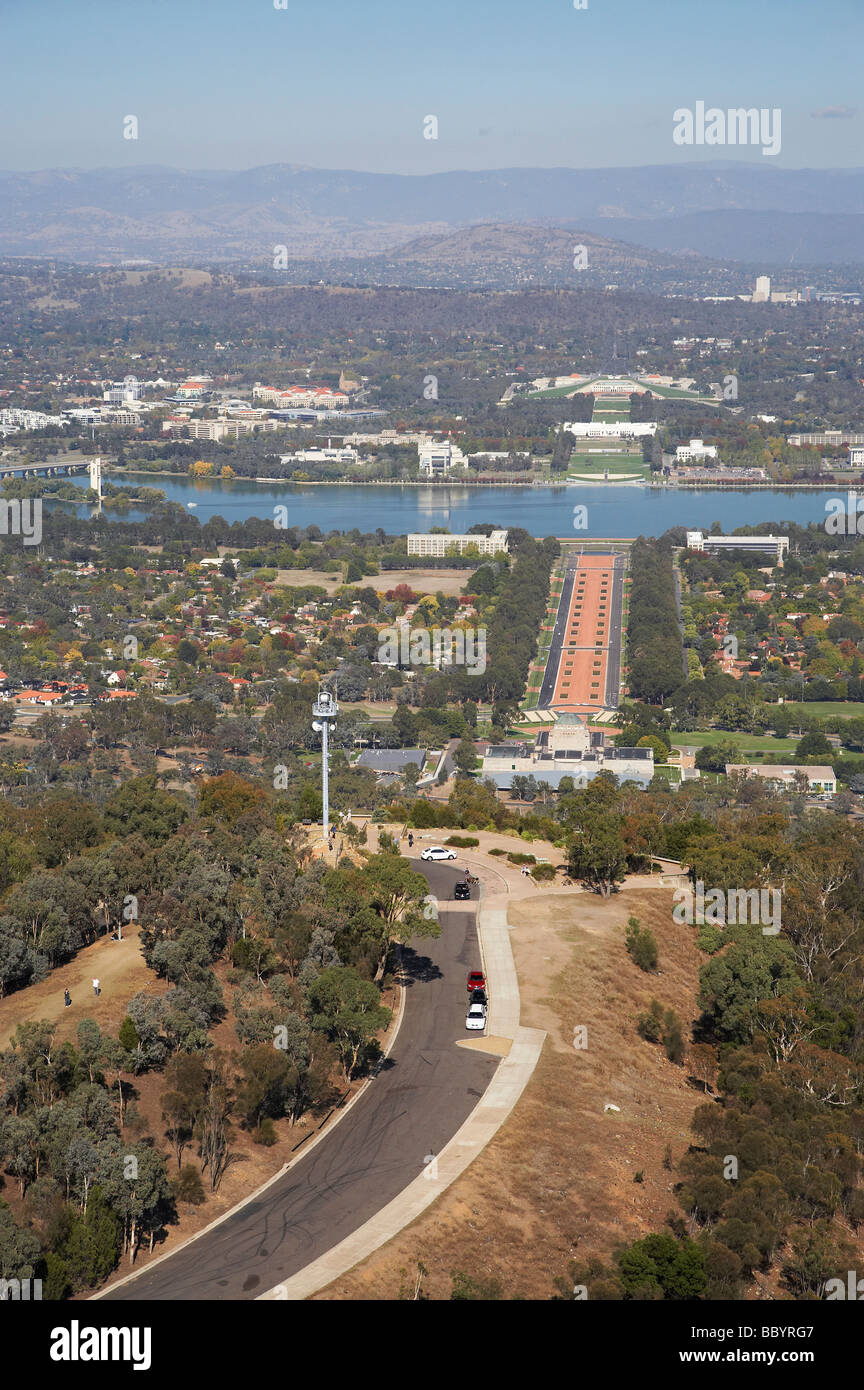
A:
<point x="348" y="84"/>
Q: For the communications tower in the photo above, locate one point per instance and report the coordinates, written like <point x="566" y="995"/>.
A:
<point x="325" y="710"/>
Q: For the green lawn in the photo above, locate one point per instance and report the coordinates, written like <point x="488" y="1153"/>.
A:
<point x="676" y="392"/>
<point x="672" y="774"/>
<point x="551" y="392"/>
<point x="827" y="709"/>
<point x="671" y="392"/>
<point x="598" y="464"/>
<point x="762" y="743"/>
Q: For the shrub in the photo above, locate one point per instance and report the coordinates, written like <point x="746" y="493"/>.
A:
<point x="188" y="1186"/>
<point x="496" y="851"/>
<point x="673" y="1037"/>
<point x="518" y="858"/>
<point x="649" y="1025"/>
<point x="710" y="938"/>
<point x="467" y="1288"/>
<point x="265" y="1133"/>
<point x="462" y="841"/>
<point x="641" y="946"/>
<point x="663" y="1026"/>
<point x="543" y="872"/>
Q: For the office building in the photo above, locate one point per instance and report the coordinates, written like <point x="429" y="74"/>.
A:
<point x="695" y="450"/>
<point x="762" y="292"/>
<point x="436" y="459"/>
<point x="775" y="546"/>
<point x="420" y="543"/>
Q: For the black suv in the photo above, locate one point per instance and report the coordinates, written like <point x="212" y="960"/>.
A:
<point x="462" y="890"/>
<point x="478" y="996"/>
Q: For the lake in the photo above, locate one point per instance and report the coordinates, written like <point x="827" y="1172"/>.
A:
<point x="615" y="510"/>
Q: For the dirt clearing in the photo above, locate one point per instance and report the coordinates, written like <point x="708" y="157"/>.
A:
<point x="121" y="971"/>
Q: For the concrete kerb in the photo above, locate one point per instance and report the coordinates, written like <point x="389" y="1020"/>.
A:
<point x="286" y="1167"/>
<point x="509" y="1081"/>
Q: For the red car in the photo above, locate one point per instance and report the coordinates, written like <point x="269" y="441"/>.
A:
<point x="476" y="980"/>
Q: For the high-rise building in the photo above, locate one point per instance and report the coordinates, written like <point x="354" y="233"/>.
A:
<point x="762" y="292"/>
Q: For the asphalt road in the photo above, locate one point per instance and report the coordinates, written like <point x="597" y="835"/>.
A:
<point x="613" y="656"/>
<point x="424" y="1091"/>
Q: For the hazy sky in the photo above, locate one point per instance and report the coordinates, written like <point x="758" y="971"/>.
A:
<point x="228" y="84"/>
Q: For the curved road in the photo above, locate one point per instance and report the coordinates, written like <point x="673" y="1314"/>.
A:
<point x="424" y="1091"/>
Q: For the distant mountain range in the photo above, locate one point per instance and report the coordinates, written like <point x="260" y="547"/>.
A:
<point x="742" y="212"/>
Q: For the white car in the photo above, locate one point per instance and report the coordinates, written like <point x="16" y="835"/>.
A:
<point x="438" y="852"/>
<point x="476" y="1016"/>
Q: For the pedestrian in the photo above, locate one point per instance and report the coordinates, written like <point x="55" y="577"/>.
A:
<point x="67" y="998"/>
<point x="525" y="871"/>
<point x="96" y="987"/>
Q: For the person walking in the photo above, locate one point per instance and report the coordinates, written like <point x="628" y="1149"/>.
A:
<point x="525" y="871"/>
<point x="96" y="987"/>
<point x="67" y="998"/>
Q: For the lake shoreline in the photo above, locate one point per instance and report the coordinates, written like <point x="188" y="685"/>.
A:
<point x="769" y="485"/>
<point x="595" y="509"/>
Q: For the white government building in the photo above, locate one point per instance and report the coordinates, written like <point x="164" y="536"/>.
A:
<point x="595" y="429"/>
<point x="778" y="546"/>
<point x="695" y="450"/>
<point x="435" y="543"/>
<point x="436" y="459"/>
<point x="569" y="749"/>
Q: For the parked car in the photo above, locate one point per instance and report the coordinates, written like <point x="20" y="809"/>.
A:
<point x="478" y="996"/>
<point x="462" y="890"/>
<point x="476" y="980"/>
<point x="438" y="852"/>
<point x="476" y="1016"/>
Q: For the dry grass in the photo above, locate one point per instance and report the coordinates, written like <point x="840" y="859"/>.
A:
<point x="449" y="582"/>
<point x="557" y="1182"/>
